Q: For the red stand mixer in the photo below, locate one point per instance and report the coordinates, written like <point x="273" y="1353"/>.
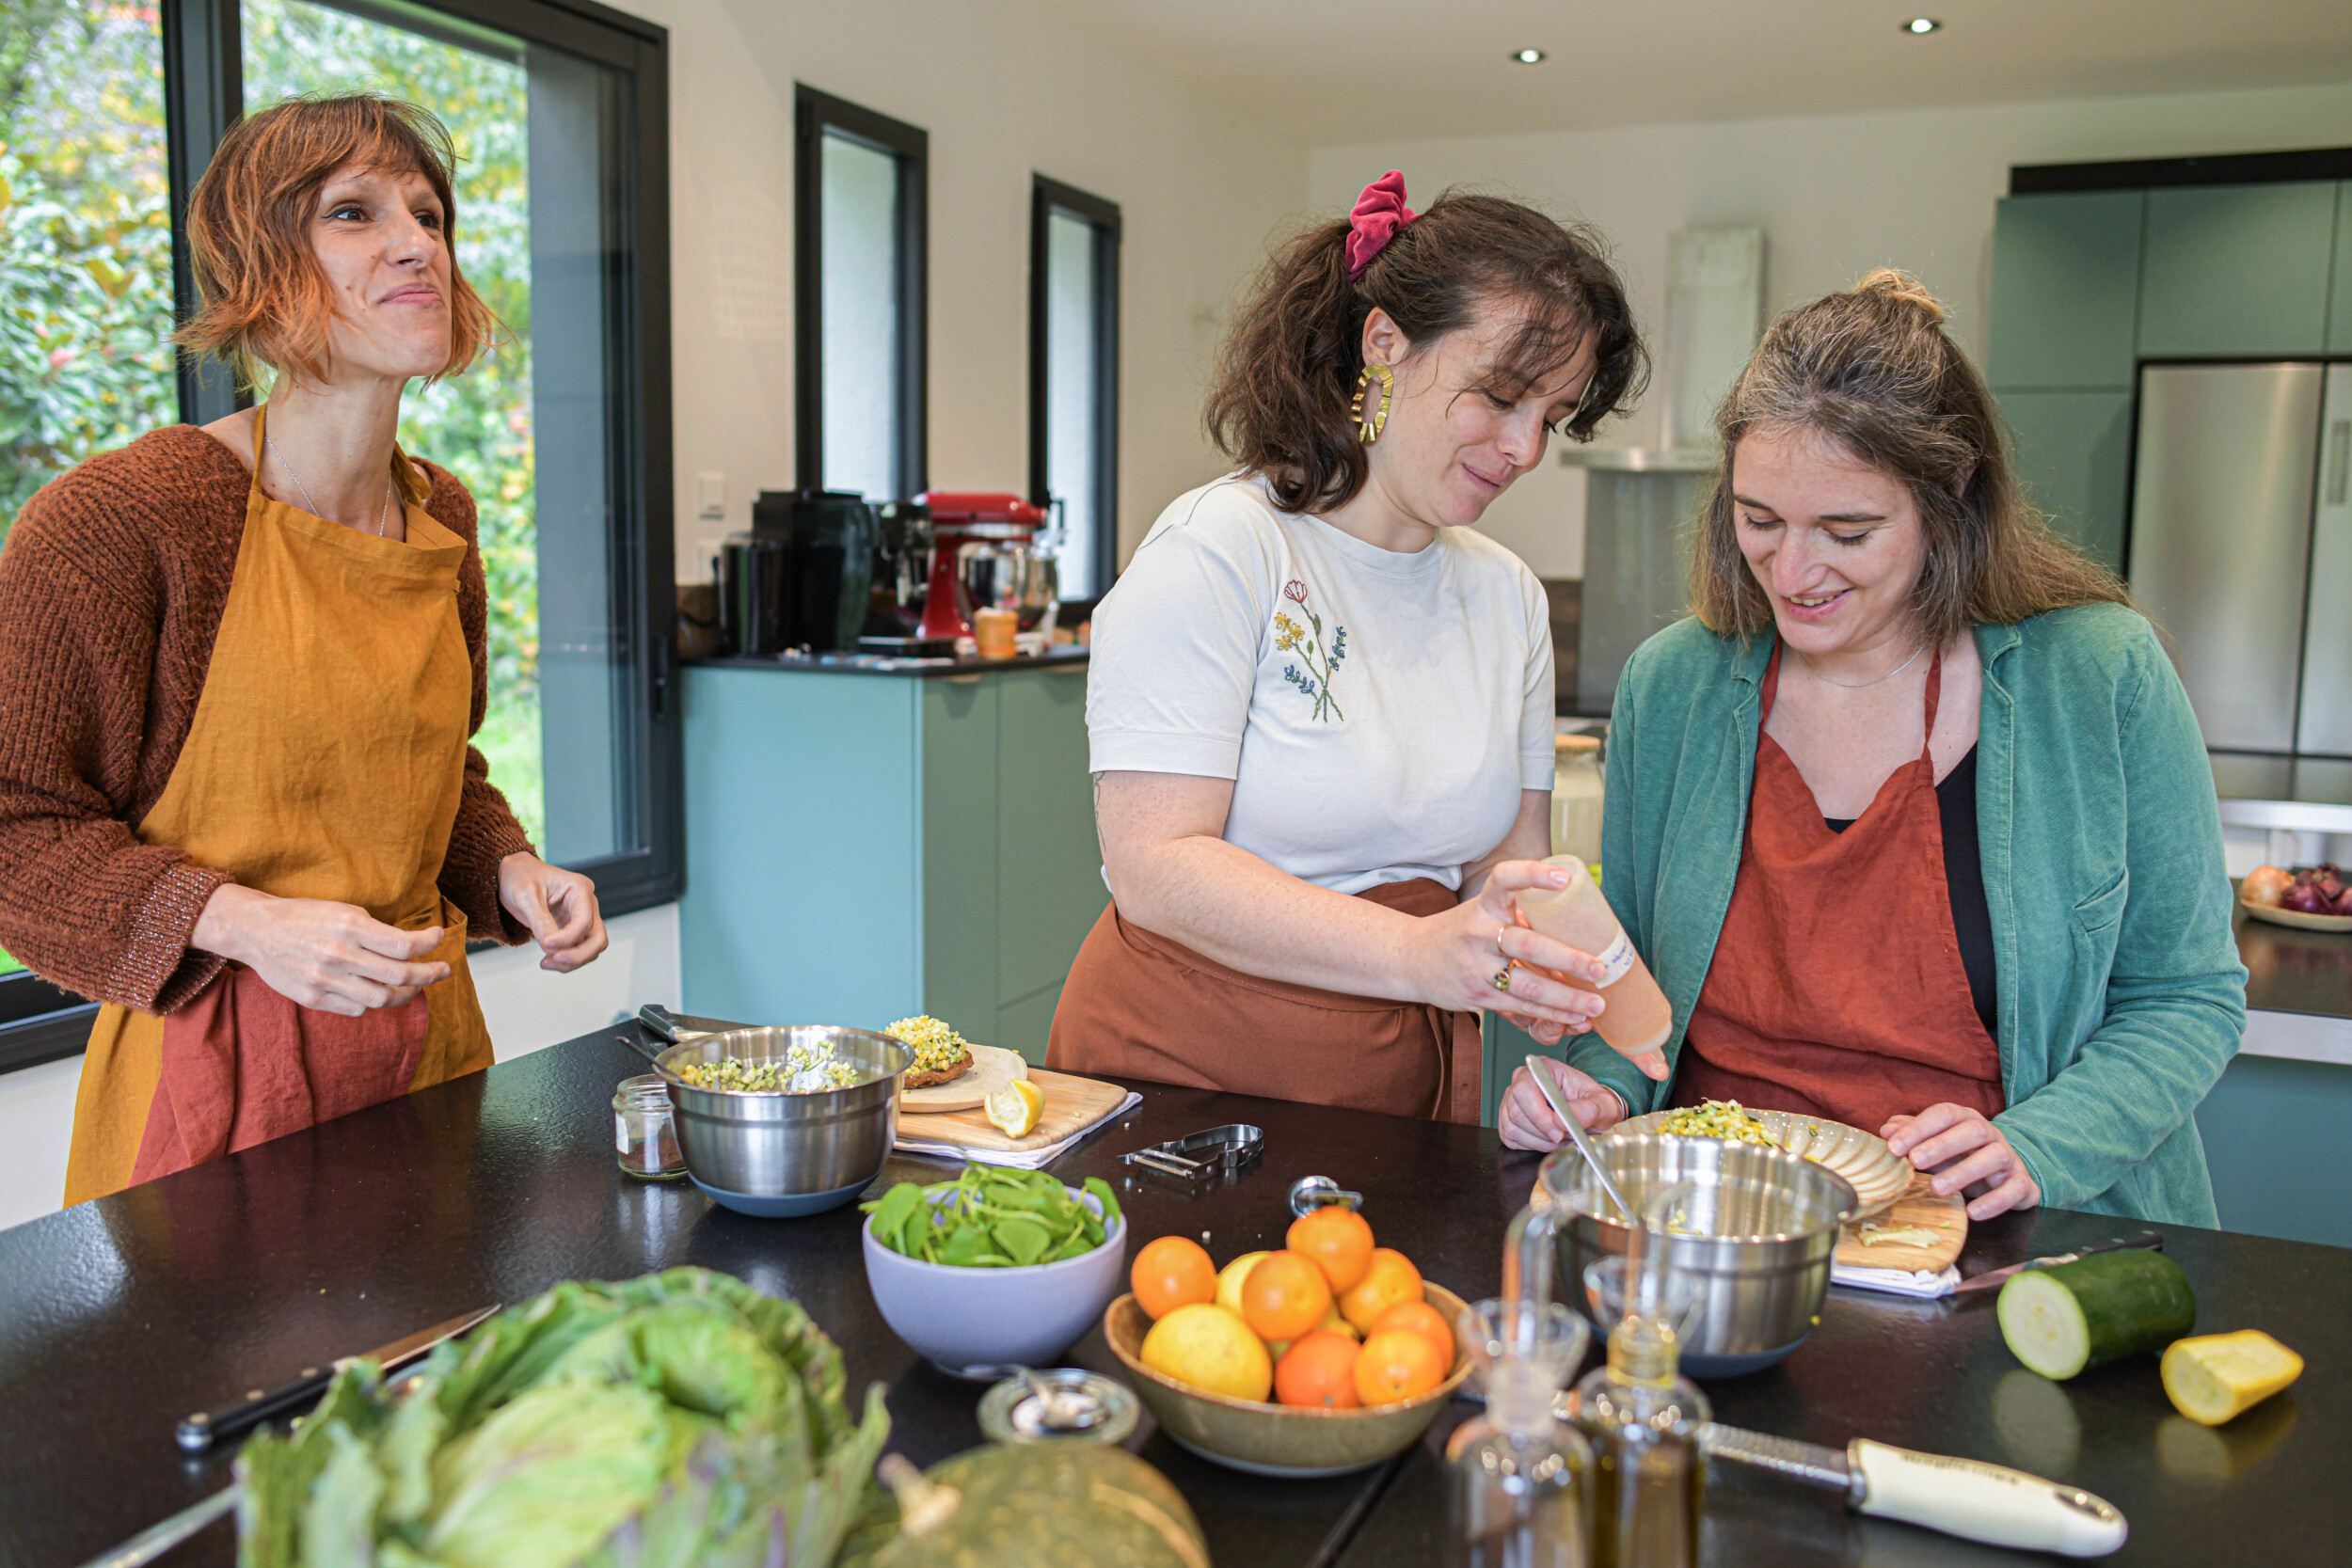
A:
<point x="961" y="518"/>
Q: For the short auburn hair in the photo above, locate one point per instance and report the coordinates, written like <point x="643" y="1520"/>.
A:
<point x="265" y="300"/>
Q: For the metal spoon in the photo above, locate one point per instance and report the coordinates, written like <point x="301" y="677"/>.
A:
<point x="1539" y="1069"/>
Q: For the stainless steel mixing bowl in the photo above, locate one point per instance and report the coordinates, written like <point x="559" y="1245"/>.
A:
<point x="784" y="1155"/>
<point x="1763" y="1224"/>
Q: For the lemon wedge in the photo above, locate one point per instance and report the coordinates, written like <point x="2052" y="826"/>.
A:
<point x="1014" y="1109"/>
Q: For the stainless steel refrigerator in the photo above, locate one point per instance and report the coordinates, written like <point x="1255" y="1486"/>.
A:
<point x="2241" y="549"/>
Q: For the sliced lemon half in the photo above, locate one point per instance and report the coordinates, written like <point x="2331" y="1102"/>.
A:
<point x="1014" y="1109"/>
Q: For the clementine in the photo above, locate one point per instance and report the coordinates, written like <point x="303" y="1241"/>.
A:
<point x="1418" y="1317"/>
<point x="1284" y="1297"/>
<point x="1319" y="1371"/>
<point x="1340" y="1241"/>
<point x="1388" y="1278"/>
<point x="1171" y="1272"/>
<point x="1396" y="1365"/>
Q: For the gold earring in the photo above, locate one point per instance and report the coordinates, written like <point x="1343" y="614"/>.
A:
<point x="1370" y="425"/>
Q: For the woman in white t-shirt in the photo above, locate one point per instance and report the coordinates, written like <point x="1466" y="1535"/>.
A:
<point x="1320" y="705"/>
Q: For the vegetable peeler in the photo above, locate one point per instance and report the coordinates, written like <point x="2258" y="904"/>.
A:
<point x="1225" y="1151"/>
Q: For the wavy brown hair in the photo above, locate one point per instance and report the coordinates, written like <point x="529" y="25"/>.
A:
<point x="266" y="301"/>
<point x="1873" y="372"/>
<point x="1279" y="405"/>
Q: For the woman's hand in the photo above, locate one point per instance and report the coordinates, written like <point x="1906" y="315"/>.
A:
<point x="1455" y="955"/>
<point x="1528" y="1120"/>
<point x="1938" y="1137"/>
<point x="333" y="958"/>
<point x="558" y="906"/>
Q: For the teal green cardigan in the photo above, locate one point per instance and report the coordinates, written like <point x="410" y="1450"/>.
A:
<point x="2122" y="997"/>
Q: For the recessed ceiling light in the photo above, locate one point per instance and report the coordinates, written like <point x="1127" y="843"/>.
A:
<point x="1921" y="24"/>
<point x="1528" y="56"/>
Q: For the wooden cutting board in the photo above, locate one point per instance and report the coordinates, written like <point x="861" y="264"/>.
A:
<point x="993" y="1068"/>
<point x="1948" y="1217"/>
<point x="1071" y="1105"/>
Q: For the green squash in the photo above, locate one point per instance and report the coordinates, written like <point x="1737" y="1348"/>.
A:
<point x="1040" y="1505"/>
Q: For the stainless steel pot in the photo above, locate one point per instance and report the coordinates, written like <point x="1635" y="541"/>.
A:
<point x="775" y="1155"/>
<point x="1764" y="1224"/>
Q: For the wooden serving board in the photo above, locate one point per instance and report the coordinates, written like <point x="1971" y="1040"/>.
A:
<point x="1071" y="1105"/>
<point x="1947" y="1216"/>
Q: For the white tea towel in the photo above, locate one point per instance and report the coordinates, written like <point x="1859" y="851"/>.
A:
<point x="1901" y="1282"/>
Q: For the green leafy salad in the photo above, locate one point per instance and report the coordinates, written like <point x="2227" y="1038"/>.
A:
<point x="992" y="1217"/>
<point x="681" y="1419"/>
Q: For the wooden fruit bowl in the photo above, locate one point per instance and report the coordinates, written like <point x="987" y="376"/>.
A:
<point x="1281" y="1439"/>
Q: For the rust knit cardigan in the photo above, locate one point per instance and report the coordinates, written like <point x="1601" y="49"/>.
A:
<point x="112" y="585"/>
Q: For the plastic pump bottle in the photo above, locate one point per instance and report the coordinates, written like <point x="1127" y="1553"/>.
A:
<point x="1637" y="1019"/>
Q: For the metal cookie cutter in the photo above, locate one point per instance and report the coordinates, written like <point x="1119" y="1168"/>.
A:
<point x="1224" y="1153"/>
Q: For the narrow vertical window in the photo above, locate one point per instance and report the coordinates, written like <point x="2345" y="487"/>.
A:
<point x="1074" y="377"/>
<point x="860" y="199"/>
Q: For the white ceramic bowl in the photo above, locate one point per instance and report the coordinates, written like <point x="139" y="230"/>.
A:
<point x="983" y="1318"/>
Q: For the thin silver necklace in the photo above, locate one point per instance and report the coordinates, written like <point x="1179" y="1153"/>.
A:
<point x="383" y="518"/>
<point x="1856" y="686"/>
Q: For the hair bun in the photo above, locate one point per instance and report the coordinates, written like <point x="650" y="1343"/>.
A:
<point x="1901" y="285"/>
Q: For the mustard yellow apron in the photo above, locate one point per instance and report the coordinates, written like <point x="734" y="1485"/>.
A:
<point x="325" y="760"/>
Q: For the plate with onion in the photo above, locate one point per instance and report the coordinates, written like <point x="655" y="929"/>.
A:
<point x="2310" y="898"/>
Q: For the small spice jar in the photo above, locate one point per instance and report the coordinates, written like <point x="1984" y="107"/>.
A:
<point x="1064" y="1404"/>
<point x="993" y="631"/>
<point x="641" y="1130"/>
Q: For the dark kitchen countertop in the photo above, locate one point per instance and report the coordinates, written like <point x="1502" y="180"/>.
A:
<point x="2289" y="970"/>
<point x="1069" y="657"/>
<point x="118" y="1316"/>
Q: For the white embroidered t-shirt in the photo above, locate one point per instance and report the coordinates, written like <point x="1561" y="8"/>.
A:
<point x="1378" y="713"/>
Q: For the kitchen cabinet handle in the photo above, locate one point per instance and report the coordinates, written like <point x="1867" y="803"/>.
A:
<point x="2338" y="460"/>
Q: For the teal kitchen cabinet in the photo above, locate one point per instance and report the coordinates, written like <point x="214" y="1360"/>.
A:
<point x="2237" y="271"/>
<point x="2073" y="450"/>
<point x="2065" y="288"/>
<point x="862" y="845"/>
<point x="2340" y="292"/>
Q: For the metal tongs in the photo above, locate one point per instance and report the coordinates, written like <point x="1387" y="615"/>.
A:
<point x="1219" y="1153"/>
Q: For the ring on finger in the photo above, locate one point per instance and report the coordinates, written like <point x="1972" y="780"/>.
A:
<point x="1500" y="978"/>
<point x="1500" y="931"/>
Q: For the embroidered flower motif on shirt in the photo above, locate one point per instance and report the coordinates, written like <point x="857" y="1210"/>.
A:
<point x="1290" y="637"/>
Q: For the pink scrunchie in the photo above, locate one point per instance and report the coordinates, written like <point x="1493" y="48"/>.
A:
<point x="1379" y="213"/>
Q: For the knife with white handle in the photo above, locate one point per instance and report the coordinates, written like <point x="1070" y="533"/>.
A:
<point x="1960" y="1497"/>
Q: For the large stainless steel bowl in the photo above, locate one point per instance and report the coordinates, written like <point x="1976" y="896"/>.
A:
<point x="1763" y="1224"/>
<point x="784" y="1154"/>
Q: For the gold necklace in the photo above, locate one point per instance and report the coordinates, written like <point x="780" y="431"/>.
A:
<point x="1856" y="686"/>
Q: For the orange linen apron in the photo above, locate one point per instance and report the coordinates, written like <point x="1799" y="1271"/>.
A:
<point x="324" y="761"/>
<point x="1138" y="1005"/>
<point x="1838" y="989"/>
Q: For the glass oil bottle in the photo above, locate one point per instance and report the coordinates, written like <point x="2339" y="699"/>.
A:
<point x="1520" y="1482"/>
<point x="1642" y="1417"/>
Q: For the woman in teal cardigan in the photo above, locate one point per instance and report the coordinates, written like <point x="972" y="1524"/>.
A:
<point x="1972" y="901"/>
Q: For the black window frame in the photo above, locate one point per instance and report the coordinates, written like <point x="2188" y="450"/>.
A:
<point x="1046" y="196"/>
<point x="815" y="113"/>
<point x="203" y="95"/>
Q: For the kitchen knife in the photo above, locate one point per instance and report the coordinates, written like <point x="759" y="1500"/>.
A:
<point x="206" y="1428"/>
<point x="1993" y="1278"/>
<point x="1960" y="1497"/>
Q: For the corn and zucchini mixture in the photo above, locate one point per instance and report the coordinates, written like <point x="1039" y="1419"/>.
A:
<point x="936" y="1046"/>
<point x="805" y="1069"/>
<point x="1727" y="1120"/>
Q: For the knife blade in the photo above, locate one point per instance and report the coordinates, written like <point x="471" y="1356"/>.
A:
<point x="1992" y="1278"/>
<point x="1959" y="1496"/>
<point x="206" y="1428"/>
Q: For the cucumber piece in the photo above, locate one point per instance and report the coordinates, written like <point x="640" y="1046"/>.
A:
<point x="2059" y="1321"/>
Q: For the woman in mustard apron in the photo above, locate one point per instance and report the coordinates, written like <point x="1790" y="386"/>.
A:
<point x="238" y="670"/>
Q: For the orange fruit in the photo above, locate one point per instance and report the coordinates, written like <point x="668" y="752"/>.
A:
<point x="1395" y="1366"/>
<point x="1339" y="1241"/>
<point x="1318" y="1371"/>
<point x="1171" y="1272"/>
<point x="1418" y="1317"/>
<point x="1284" y="1297"/>
<point x="1203" y="1345"/>
<point x="1389" y="1279"/>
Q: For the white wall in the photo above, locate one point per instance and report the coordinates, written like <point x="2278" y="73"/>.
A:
<point x="1005" y="90"/>
<point x="1837" y="195"/>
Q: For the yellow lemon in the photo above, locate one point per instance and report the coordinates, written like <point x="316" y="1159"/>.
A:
<point x="1014" y="1109"/>
<point x="1228" y="1279"/>
<point x="1208" y="1347"/>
